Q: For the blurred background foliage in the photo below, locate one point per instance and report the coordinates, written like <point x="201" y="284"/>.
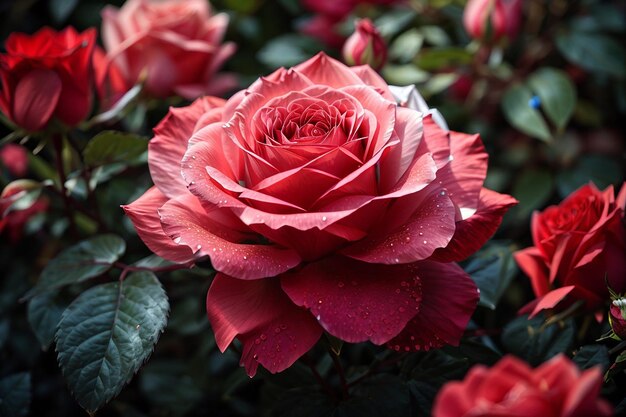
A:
<point x="550" y="105"/>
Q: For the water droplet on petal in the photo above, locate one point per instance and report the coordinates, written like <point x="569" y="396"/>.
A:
<point x="340" y="284"/>
<point x="199" y="247"/>
<point x="425" y="242"/>
<point x="324" y="218"/>
<point x="263" y="337"/>
<point x="177" y="240"/>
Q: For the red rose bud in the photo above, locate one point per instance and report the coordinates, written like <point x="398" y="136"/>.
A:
<point x="15" y="159"/>
<point x="511" y="388"/>
<point x="365" y="46"/>
<point x="617" y="318"/>
<point x="578" y="249"/>
<point x="47" y="75"/>
<point x="492" y="18"/>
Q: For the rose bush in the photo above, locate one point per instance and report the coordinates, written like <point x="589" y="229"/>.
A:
<point x="176" y="45"/>
<point x="511" y="388"/>
<point x="325" y="206"/>
<point x="47" y="75"/>
<point x="580" y="246"/>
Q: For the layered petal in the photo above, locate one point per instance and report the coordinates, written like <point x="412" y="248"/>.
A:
<point x="352" y="302"/>
<point x="472" y="233"/>
<point x="272" y="330"/>
<point x="143" y="212"/>
<point x="35" y="98"/>
<point x="187" y="223"/>
<point x="449" y="297"/>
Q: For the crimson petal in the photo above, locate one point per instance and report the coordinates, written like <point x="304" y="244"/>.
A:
<point x="449" y="297"/>
<point x="273" y="331"/>
<point x="355" y="301"/>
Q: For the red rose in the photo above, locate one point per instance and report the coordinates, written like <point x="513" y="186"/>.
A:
<point x="47" y="74"/>
<point x="15" y="159"/>
<point x="580" y="245"/>
<point x="13" y="217"/>
<point x="365" y="46"/>
<point x="496" y="18"/>
<point x="511" y="388"/>
<point x="324" y="206"/>
<point x="175" y="44"/>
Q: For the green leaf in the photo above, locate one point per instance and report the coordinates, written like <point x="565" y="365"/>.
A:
<point x="15" y="395"/>
<point x="107" y="333"/>
<point x="518" y="112"/>
<point x="109" y="147"/>
<point x="589" y="356"/>
<point x="602" y="171"/>
<point x="80" y="262"/>
<point x="557" y="94"/>
<point x="393" y="22"/>
<point x="439" y="58"/>
<point x="61" y="9"/>
<point x="593" y="51"/>
<point x="287" y="51"/>
<point x="406" y="46"/>
<point x="536" y="343"/>
<point x="493" y="269"/>
<point x="533" y="189"/>
<point x="404" y="74"/>
<point x="435" y="35"/>
<point x="44" y="313"/>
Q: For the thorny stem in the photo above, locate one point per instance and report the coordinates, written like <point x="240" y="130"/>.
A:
<point x="340" y="372"/>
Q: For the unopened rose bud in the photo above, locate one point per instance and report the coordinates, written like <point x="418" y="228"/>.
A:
<point x="617" y="317"/>
<point x="365" y="46"/>
<point x="492" y="18"/>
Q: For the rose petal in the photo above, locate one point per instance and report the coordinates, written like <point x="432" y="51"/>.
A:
<point x="449" y="297"/>
<point x="273" y="331"/>
<point x="531" y="262"/>
<point x="371" y="78"/>
<point x="167" y="148"/>
<point x="351" y="300"/>
<point x="551" y="299"/>
<point x="583" y="399"/>
<point x="143" y="212"/>
<point x="186" y="222"/>
<point x="35" y="99"/>
<point x="430" y="227"/>
<point x="322" y="69"/>
<point x="472" y="233"/>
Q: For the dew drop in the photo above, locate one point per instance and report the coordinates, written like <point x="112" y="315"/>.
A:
<point x="408" y="239"/>
<point x="396" y="348"/>
<point x="421" y="233"/>
<point x="318" y="317"/>
<point x="193" y="157"/>
<point x="277" y="330"/>
<point x="257" y="341"/>
<point x="177" y="240"/>
<point x="245" y="258"/>
<point x="397" y="290"/>
<point x="324" y="218"/>
<point x="442" y="193"/>
<point x="263" y="337"/>
<point x="255" y="356"/>
<point x="397" y="260"/>
<point x="319" y="301"/>
<point x="199" y="247"/>
<point x="425" y="242"/>
<point x="340" y="284"/>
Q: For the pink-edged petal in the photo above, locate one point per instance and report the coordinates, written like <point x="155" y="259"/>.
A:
<point x="167" y="148"/>
<point x="322" y="69"/>
<point x="355" y="301"/>
<point x="187" y="223"/>
<point x="449" y="297"/>
<point x="371" y="78"/>
<point x="466" y="172"/>
<point x="409" y="128"/>
<point x="35" y="99"/>
<point x="620" y="200"/>
<point x="472" y="233"/>
<point x="143" y="212"/>
<point x="430" y="227"/>
<point x="273" y="331"/>
<point x="534" y="266"/>
<point x="551" y="299"/>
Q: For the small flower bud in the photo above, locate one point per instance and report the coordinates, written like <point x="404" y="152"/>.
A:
<point x="492" y="19"/>
<point x="365" y="46"/>
<point x="617" y="318"/>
